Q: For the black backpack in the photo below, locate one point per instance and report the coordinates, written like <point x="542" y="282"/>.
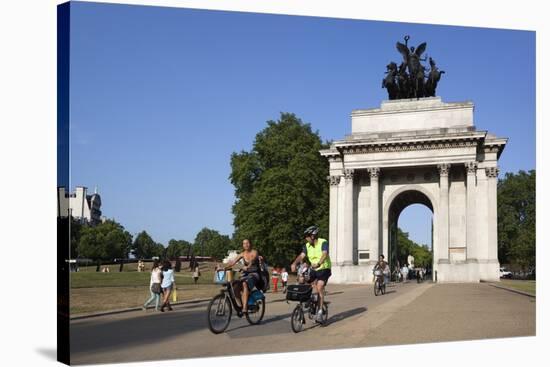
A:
<point x="264" y="276"/>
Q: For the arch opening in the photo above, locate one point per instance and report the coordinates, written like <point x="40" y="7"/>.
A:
<point x="400" y="246"/>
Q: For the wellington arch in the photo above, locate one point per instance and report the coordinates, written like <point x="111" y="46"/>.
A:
<point x="411" y="151"/>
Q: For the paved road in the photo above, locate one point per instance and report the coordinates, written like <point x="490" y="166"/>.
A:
<point x="433" y="312"/>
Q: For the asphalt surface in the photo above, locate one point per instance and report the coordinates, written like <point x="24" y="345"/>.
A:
<point x="408" y="313"/>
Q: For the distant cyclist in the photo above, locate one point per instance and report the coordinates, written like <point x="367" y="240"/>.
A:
<point x="316" y="250"/>
<point x="383" y="266"/>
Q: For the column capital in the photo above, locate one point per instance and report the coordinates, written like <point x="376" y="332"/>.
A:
<point x="444" y="169"/>
<point x="471" y="167"/>
<point x="491" y="172"/>
<point x="374" y="172"/>
<point x="348" y="174"/>
<point x="334" y="180"/>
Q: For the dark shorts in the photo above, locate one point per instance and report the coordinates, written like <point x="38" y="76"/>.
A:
<point x="319" y="275"/>
<point x="251" y="279"/>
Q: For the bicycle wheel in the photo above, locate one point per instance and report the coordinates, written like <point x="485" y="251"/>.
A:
<point x="256" y="313"/>
<point x="297" y="319"/>
<point x="376" y="288"/>
<point x="219" y="313"/>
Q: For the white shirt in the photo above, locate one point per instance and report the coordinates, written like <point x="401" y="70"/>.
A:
<point x="155" y="276"/>
<point x="284" y="276"/>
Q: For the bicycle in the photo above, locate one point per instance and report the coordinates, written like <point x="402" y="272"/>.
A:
<point x="379" y="283"/>
<point x="220" y="308"/>
<point x="308" y="303"/>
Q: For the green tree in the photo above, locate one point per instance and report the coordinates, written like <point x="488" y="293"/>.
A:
<point x="209" y="242"/>
<point x="145" y="247"/>
<point x="104" y="242"/>
<point x="405" y="247"/>
<point x="177" y="248"/>
<point x="280" y="188"/>
<point x="517" y="219"/>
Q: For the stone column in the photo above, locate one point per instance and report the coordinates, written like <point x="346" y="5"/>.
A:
<point x="492" y="227"/>
<point x="346" y="256"/>
<point x="443" y="222"/>
<point x="334" y="181"/>
<point x="374" y="173"/>
<point x="471" y="253"/>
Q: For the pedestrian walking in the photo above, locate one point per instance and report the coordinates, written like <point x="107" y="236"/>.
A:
<point x="405" y="273"/>
<point x="167" y="284"/>
<point x="284" y="279"/>
<point x="196" y="273"/>
<point x="154" y="286"/>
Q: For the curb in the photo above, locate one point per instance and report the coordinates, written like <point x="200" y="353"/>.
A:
<point x="124" y="310"/>
<point x="513" y="290"/>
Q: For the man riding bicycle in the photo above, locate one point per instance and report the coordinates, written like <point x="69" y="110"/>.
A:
<point x="383" y="266"/>
<point x="316" y="250"/>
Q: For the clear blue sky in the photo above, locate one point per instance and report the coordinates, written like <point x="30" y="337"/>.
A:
<point x="161" y="97"/>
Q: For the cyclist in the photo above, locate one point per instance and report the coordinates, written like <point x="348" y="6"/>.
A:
<point x="383" y="266"/>
<point x="316" y="249"/>
<point x="251" y="273"/>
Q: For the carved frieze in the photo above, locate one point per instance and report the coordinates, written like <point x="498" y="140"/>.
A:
<point x="409" y="146"/>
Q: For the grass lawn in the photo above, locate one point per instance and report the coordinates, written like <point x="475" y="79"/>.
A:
<point x="86" y="300"/>
<point x="529" y="286"/>
<point x="93" y="291"/>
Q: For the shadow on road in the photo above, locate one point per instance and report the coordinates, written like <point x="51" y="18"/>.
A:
<point x="100" y="335"/>
<point x="344" y="315"/>
<point x="264" y="322"/>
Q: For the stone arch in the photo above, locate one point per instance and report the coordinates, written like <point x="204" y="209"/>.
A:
<point x="417" y="194"/>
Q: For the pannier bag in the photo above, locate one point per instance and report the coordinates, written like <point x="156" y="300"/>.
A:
<point x="298" y="292"/>
<point x="220" y="277"/>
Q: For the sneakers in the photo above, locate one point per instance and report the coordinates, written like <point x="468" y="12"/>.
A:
<point x="319" y="316"/>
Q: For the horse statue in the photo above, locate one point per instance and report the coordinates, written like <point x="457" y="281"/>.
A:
<point x="433" y="79"/>
<point x="403" y="82"/>
<point x="389" y="81"/>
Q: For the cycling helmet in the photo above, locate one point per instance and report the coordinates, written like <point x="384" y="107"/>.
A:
<point x="313" y="230"/>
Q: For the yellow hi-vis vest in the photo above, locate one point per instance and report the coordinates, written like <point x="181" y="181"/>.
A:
<point x="314" y="254"/>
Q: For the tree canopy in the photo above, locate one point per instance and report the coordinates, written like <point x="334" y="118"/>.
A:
<point x="145" y="247"/>
<point x="405" y="247"/>
<point x="209" y="242"/>
<point x="517" y="219"/>
<point x="280" y="188"/>
<point x="105" y="241"/>
<point x="178" y="248"/>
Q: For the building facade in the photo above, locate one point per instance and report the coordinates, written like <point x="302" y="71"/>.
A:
<point x="80" y="205"/>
